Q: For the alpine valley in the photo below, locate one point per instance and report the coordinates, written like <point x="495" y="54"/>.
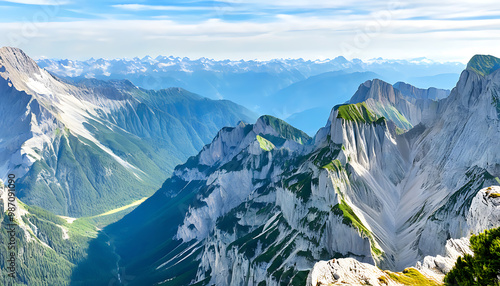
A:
<point x="89" y="152"/>
<point x="389" y="190"/>
<point x="88" y="148"/>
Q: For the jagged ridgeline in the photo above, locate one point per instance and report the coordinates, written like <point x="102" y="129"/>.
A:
<point x="387" y="181"/>
<point x="87" y="148"/>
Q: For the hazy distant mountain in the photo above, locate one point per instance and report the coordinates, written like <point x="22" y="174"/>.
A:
<point x="262" y="203"/>
<point x="325" y="91"/>
<point x="240" y="81"/>
<point x="250" y="83"/>
<point x="306" y="104"/>
<point x="309" y="120"/>
<point x="444" y="81"/>
<point x="86" y="148"/>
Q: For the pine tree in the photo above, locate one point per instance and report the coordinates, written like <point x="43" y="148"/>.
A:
<point x="481" y="269"/>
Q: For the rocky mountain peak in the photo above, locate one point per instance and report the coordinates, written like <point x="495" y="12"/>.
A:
<point x="375" y="89"/>
<point x="232" y="140"/>
<point x="24" y="74"/>
<point x="274" y="126"/>
<point x="483" y="65"/>
<point x="477" y="88"/>
<point x="403" y="104"/>
<point x="15" y="61"/>
<point x="358" y="112"/>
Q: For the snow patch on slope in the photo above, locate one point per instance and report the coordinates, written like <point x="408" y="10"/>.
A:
<point x="54" y="104"/>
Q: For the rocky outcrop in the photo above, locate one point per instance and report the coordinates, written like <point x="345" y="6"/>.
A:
<point x="403" y="104"/>
<point x="347" y="271"/>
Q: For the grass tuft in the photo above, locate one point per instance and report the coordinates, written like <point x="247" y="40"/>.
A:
<point x="358" y="112"/>
<point x="411" y="276"/>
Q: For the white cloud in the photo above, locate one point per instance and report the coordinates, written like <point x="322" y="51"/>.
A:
<point x="37" y="2"/>
<point x="418" y="28"/>
<point x="141" y="7"/>
<point x="287" y="36"/>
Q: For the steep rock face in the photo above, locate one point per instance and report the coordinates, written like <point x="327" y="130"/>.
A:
<point x="81" y="149"/>
<point x="440" y="180"/>
<point x="406" y="107"/>
<point x="438" y="266"/>
<point x="347" y="271"/>
<point x="265" y="207"/>
<point x="377" y="165"/>
<point x="356" y="174"/>
<point x="407" y="190"/>
<point x="483" y="213"/>
<point x="27" y="120"/>
<point x="468" y="122"/>
<point x="245" y="175"/>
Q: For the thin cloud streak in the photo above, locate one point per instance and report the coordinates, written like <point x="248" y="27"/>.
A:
<point x="287" y="36"/>
<point x="141" y="7"/>
<point x="38" y="2"/>
<point x="444" y="30"/>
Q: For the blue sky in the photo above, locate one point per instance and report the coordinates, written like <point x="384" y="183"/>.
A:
<point x="443" y="30"/>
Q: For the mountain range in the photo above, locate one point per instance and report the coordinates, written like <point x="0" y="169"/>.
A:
<point x="291" y="89"/>
<point x="262" y="203"/>
<point x="83" y="149"/>
<point x="398" y="177"/>
<point x="221" y="77"/>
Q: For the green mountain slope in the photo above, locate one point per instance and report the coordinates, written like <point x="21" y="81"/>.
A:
<point x="484" y="64"/>
<point x="47" y="246"/>
<point x="86" y="148"/>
